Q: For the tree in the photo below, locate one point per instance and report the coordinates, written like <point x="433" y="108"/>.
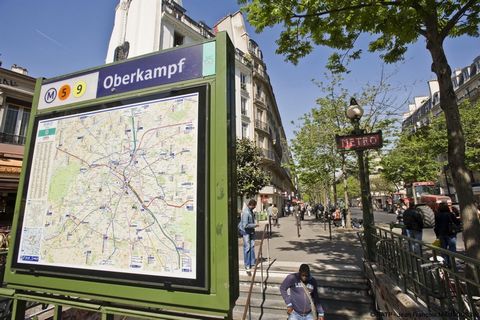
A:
<point x="412" y="159"/>
<point x="314" y="146"/>
<point x="469" y="115"/>
<point x="393" y="26"/>
<point x="251" y="178"/>
<point x="415" y="155"/>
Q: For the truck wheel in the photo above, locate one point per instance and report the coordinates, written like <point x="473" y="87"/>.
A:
<point x="428" y="216"/>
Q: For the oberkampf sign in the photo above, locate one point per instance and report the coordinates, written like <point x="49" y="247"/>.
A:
<point x="360" y="141"/>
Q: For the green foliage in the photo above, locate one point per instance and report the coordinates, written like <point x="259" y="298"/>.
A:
<point x="412" y="159"/>
<point x="415" y="156"/>
<point x="380" y="184"/>
<point x="353" y="187"/>
<point x="251" y="178"/>
<point x="337" y="24"/>
<point x="469" y="117"/>
<point x="314" y="146"/>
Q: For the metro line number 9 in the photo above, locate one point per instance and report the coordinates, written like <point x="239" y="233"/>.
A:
<point x="79" y="89"/>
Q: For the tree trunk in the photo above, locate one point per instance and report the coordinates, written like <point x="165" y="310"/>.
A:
<point x="456" y="142"/>
<point x="334" y="186"/>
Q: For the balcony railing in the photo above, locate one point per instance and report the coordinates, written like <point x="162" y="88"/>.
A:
<point x="270" y="155"/>
<point x="260" y="99"/>
<point x="11" y="138"/>
<point x="261" y="74"/>
<point x="262" y="126"/>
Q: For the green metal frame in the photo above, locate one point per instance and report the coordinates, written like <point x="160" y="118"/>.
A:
<point x="222" y="248"/>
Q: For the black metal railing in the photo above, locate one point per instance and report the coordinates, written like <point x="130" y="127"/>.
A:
<point x="11" y="138"/>
<point x="447" y="282"/>
<point x="262" y="126"/>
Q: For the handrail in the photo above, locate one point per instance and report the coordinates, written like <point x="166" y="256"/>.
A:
<point x="402" y="258"/>
<point x="259" y="261"/>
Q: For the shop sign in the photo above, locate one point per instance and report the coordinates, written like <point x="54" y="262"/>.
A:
<point x="8" y="82"/>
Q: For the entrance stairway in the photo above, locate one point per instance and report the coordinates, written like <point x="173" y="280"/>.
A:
<point x="343" y="291"/>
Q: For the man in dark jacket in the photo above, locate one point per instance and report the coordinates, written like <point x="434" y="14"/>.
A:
<point x="446" y="228"/>
<point x="413" y="222"/>
<point x="302" y="300"/>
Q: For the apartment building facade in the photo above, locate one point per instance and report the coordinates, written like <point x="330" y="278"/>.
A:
<point x="165" y="24"/>
<point x="16" y="95"/>
<point x="466" y="83"/>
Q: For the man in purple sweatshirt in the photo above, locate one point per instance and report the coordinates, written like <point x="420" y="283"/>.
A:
<point x="302" y="296"/>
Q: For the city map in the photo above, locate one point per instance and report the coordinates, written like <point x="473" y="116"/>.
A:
<point x="115" y="190"/>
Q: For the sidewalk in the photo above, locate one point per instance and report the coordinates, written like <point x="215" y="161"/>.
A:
<point x="313" y="246"/>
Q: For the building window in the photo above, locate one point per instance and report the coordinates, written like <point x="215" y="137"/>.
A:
<point x="178" y="39"/>
<point x="259" y="91"/>
<point x="14" y="124"/>
<point x="244" y="130"/>
<point x="260" y="142"/>
<point x="259" y="115"/>
<point x="243" y="106"/>
<point x="243" y="81"/>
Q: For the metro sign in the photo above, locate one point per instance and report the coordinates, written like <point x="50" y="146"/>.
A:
<point x="360" y="141"/>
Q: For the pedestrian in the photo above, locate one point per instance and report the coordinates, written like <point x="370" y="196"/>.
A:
<point x="275" y="215"/>
<point x="247" y="227"/>
<point x="296" y="214"/>
<point x="300" y="292"/>
<point x="446" y="228"/>
<point x="321" y="208"/>
<point x="413" y="222"/>
<point x="269" y="215"/>
<point x="344" y="217"/>
<point x="302" y="211"/>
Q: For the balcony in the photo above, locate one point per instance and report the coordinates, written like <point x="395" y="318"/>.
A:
<point x="12" y="139"/>
<point x="240" y="56"/>
<point x="257" y="72"/>
<point x="262" y="126"/>
<point x="259" y="99"/>
<point x="178" y="12"/>
<point x="268" y="154"/>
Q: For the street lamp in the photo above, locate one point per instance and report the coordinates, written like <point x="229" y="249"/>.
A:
<point x="355" y="113"/>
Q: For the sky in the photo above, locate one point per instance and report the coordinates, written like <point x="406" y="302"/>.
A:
<point x="55" y="37"/>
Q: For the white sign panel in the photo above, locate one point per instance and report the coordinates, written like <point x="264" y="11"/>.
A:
<point x="68" y="91"/>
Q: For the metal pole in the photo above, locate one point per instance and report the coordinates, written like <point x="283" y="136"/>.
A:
<point x="366" y="208"/>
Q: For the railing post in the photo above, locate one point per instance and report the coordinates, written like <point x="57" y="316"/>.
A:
<point x="57" y="312"/>
<point x="18" y="309"/>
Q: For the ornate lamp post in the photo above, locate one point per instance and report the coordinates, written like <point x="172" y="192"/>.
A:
<point x="355" y="113"/>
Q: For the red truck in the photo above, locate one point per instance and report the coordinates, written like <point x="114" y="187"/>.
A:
<point x="426" y="197"/>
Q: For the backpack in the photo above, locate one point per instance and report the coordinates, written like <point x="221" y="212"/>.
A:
<point x="241" y="230"/>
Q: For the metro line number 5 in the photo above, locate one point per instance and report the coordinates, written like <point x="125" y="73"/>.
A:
<point x="64" y="92"/>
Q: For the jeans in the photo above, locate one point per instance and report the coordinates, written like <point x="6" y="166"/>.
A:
<point x="249" y="250"/>
<point x="449" y="243"/>
<point x="417" y="235"/>
<point x="297" y="316"/>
